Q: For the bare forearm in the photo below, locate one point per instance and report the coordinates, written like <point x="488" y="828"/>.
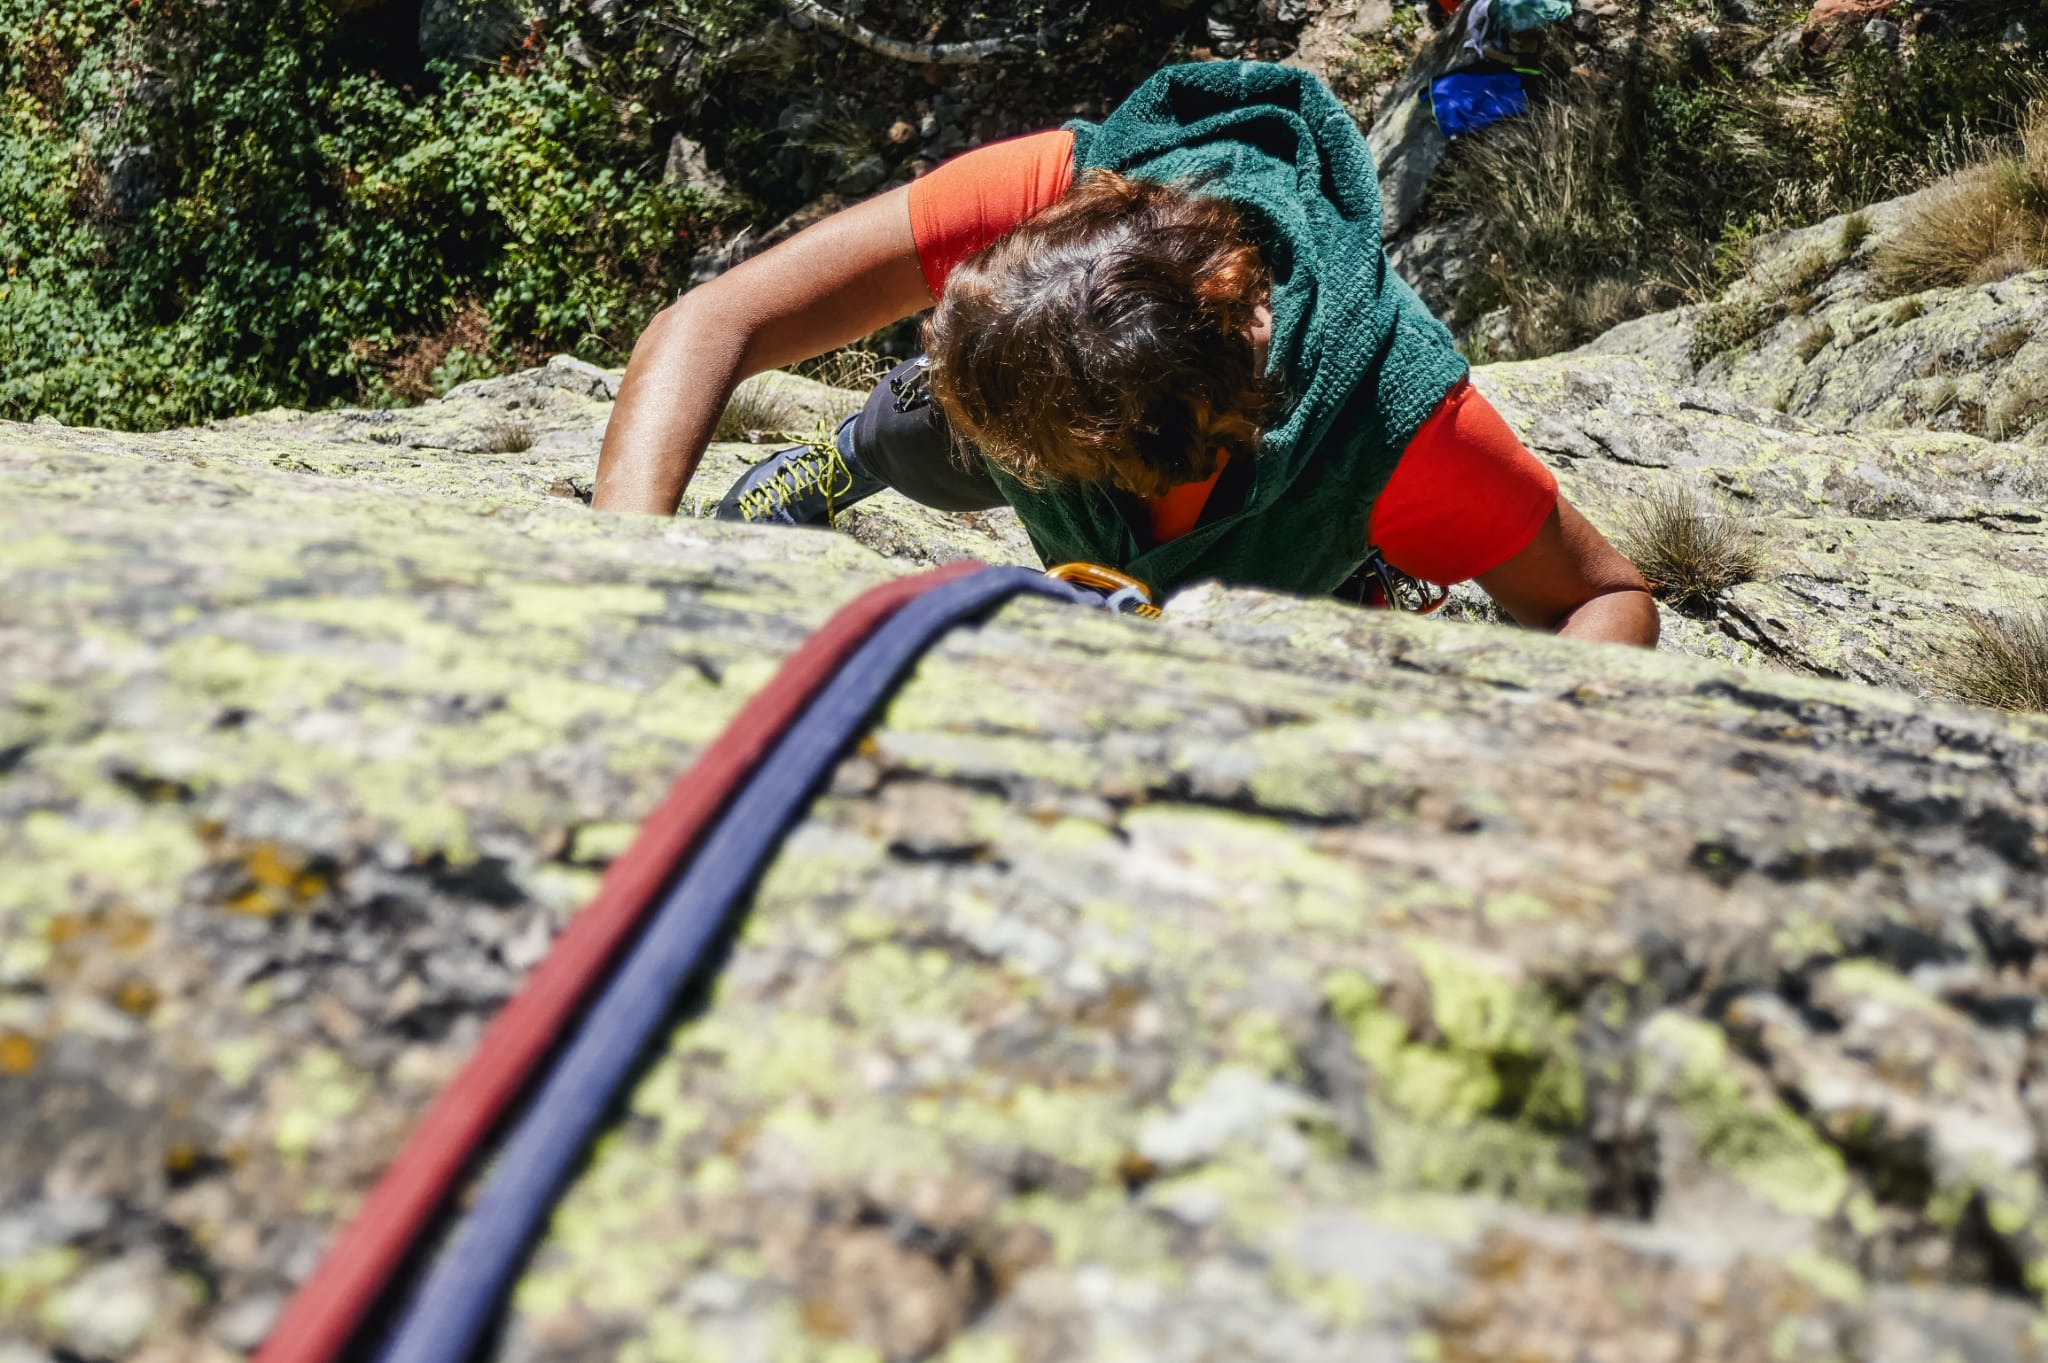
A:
<point x="1623" y="617"/>
<point x="683" y="370"/>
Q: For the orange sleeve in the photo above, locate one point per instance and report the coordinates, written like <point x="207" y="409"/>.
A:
<point x="977" y="196"/>
<point x="1466" y="497"/>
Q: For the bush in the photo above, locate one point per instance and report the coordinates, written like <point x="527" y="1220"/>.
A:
<point x="325" y="234"/>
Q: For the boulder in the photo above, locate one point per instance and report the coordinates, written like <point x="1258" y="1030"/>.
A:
<point x="1276" y="977"/>
<point x="1830" y="23"/>
<point x="472" y="31"/>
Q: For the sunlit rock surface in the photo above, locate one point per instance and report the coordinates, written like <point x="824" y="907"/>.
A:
<point x="1806" y="330"/>
<point x="1273" y="981"/>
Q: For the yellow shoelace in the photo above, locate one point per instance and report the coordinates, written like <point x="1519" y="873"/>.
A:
<point x="825" y="471"/>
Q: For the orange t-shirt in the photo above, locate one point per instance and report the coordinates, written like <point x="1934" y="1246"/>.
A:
<point x="1466" y="497"/>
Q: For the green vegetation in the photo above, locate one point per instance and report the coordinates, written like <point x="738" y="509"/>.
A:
<point x="323" y="232"/>
<point x="1644" y="188"/>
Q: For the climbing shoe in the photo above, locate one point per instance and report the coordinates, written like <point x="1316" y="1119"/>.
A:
<point x="806" y="484"/>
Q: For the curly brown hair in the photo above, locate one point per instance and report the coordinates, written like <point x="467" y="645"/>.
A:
<point x="1107" y="338"/>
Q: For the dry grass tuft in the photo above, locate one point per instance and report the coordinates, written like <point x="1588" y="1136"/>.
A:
<point x="1985" y="223"/>
<point x="759" y="410"/>
<point x="853" y="368"/>
<point x="2019" y="409"/>
<point x="1815" y="341"/>
<point x="1689" y="549"/>
<point x="505" y="436"/>
<point x="2002" y="661"/>
<point x="1856" y="229"/>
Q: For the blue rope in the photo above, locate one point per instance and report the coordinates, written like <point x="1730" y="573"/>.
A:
<point x="459" y="1298"/>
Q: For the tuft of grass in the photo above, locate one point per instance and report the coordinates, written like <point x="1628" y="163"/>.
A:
<point x="1688" y="548"/>
<point x="854" y="368"/>
<point x="2002" y="660"/>
<point x="1986" y="222"/>
<point x="2019" y="409"/>
<point x="2005" y="342"/>
<point x="759" y="410"/>
<point x="1856" y="229"/>
<point x="1815" y="341"/>
<point x="1721" y="327"/>
<point x="506" y="436"/>
<point x="1911" y="310"/>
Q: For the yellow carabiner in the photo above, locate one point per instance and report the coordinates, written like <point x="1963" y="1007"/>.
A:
<point x="1125" y="594"/>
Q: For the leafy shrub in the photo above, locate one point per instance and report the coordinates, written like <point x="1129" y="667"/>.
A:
<point x="1656" y="187"/>
<point x="1689" y="550"/>
<point x="320" y="226"/>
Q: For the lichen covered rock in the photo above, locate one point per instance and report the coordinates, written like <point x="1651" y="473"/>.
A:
<point x="1809" y="330"/>
<point x="1276" y="980"/>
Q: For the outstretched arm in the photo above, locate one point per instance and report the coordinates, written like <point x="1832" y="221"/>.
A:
<point x="832" y="283"/>
<point x="1570" y="579"/>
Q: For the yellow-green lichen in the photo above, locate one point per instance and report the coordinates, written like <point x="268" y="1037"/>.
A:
<point x="317" y="1094"/>
<point x="1759" y="1142"/>
<point x="1487" y="1104"/>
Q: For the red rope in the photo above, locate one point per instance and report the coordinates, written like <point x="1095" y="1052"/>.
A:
<point x="324" y="1313"/>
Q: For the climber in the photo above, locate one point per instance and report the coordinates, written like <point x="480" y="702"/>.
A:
<point x="1158" y="348"/>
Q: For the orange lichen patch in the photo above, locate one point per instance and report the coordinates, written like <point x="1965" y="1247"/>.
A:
<point x="64" y="927"/>
<point x="268" y="869"/>
<point x="137" y="998"/>
<point x="278" y="883"/>
<point x="17" y="1053"/>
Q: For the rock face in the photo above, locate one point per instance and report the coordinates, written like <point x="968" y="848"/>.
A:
<point x="1807" y="332"/>
<point x="1276" y="980"/>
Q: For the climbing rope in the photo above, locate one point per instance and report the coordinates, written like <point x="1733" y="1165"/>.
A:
<point x="720" y="823"/>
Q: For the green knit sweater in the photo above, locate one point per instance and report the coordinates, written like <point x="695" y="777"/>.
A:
<point x="1362" y="360"/>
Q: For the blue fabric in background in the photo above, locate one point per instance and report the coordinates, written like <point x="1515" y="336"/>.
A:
<point x="1466" y="101"/>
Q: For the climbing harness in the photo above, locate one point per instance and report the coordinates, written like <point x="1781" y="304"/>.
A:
<point x="719" y="824"/>
<point x="912" y="390"/>
<point x="1405" y="593"/>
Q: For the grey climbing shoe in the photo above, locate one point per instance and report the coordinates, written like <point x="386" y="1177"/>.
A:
<point x="806" y="484"/>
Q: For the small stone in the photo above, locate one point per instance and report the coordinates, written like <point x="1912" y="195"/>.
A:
<point x="688" y="167"/>
<point x="864" y="176"/>
<point x="901" y="132"/>
<point x="108" y="1311"/>
<point x="243" y="1324"/>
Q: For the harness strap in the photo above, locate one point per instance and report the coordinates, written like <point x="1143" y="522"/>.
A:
<point x="327" y="1308"/>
